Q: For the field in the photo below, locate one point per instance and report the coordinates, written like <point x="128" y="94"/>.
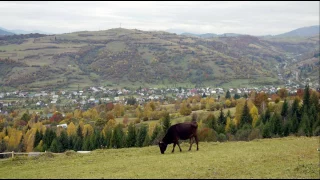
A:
<point x="290" y="157"/>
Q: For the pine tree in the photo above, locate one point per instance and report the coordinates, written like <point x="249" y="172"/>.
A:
<point x="245" y="117"/>
<point x="78" y="143"/>
<point x="166" y="122"/>
<point x="295" y="108"/>
<point x="228" y="95"/>
<point x="56" y="146"/>
<point x="108" y="138"/>
<point x="277" y="124"/>
<point x="267" y="116"/>
<point x="295" y="123"/>
<point x="146" y="140"/>
<point x="306" y="97"/>
<point x="48" y="137"/>
<point x="284" y="111"/>
<point x="267" y="130"/>
<point x="142" y="132"/>
<point x="313" y="116"/>
<point x="155" y="133"/>
<point x="118" y="137"/>
<point x="79" y="132"/>
<point x="228" y="114"/>
<point x="63" y="138"/>
<point x="131" y="137"/>
<point x="71" y="142"/>
<point x="86" y="144"/>
<point x="305" y="124"/>
<point x="212" y="122"/>
<point x="37" y="139"/>
<point x="221" y="118"/>
<point x="236" y="96"/>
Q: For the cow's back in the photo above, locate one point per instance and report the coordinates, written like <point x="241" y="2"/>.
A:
<point x="185" y="130"/>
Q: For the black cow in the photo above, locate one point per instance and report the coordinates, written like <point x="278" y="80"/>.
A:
<point x="183" y="131"/>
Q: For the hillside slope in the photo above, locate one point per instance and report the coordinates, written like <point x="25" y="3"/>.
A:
<point x="303" y="32"/>
<point x="133" y="57"/>
<point x="290" y="157"/>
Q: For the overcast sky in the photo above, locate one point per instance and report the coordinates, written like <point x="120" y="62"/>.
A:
<point x="254" y="18"/>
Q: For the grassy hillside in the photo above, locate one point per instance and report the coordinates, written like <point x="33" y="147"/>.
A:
<point x="290" y="157"/>
<point x="122" y="57"/>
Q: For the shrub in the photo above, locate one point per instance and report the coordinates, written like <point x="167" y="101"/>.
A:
<point x="255" y="134"/>
<point x="207" y="134"/>
<point x="243" y="133"/>
<point x="230" y="137"/>
<point x="222" y="137"/>
<point x="145" y="119"/>
<point x="137" y="121"/>
<point x="70" y="152"/>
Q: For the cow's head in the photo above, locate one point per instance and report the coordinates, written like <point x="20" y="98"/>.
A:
<point x="162" y="146"/>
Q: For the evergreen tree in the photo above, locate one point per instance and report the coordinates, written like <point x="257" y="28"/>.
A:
<point x="236" y="96"/>
<point x="276" y="125"/>
<point x="313" y="116"/>
<point x="245" y="117"/>
<point x="131" y="137"/>
<point x="295" y="108"/>
<point x="48" y="137"/>
<point x="228" y="114"/>
<point x="96" y="142"/>
<point x="155" y="133"/>
<point x="63" y="139"/>
<point x="267" y="130"/>
<point x="166" y="122"/>
<point x="287" y="128"/>
<point x="118" y="137"/>
<point x="93" y="141"/>
<point x="228" y="95"/>
<point x="86" y="144"/>
<point x="56" y="146"/>
<point x="314" y="100"/>
<point x="78" y="143"/>
<point x="79" y="132"/>
<point x="102" y="141"/>
<point x="204" y="95"/>
<point x="37" y="139"/>
<point x="142" y="132"/>
<point x="284" y="111"/>
<point x="212" y="122"/>
<point x="295" y="123"/>
<point x="108" y="138"/>
<point x="305" y="125"/>
<point x="221" y="118"/>
<point x="71" y="142"/>
<point x="306" y="97"/>
<point x="146" y="140"/>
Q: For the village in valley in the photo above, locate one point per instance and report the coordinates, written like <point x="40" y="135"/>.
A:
<point x="88" y="97"/>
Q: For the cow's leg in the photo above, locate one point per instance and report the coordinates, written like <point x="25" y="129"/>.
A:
<point x="191" y="142"/>
<point x="179" y="145"/>
<point x="174" y="145"/>
<point x="196" y="138"/>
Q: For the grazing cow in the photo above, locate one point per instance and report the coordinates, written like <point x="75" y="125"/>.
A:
<point x="183" y="131"/>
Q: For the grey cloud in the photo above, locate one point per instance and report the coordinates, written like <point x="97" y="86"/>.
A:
<point x="255" y="18"/>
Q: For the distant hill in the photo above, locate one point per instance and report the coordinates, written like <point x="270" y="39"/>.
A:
<point x="302" y="32"/>
<point x="18" y="31"/>
<point x="130" y="57"/>
<point x="3" y="32"/>
<point x="210" y="35"/>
